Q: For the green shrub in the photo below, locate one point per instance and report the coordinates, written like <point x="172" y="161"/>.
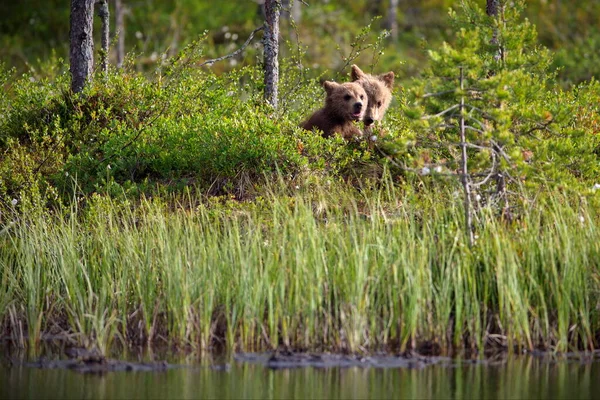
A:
<point x="186" y="127"/>
<point x="542" y="134"/>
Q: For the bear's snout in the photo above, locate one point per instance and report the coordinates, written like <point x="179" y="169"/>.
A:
<point x="358" y="106"/>
<point x="369" y="121"/>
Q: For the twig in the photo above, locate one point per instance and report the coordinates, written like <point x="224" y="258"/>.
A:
<point x="447" y="110"/>
<point x="498" y="149"/>
<point x="483" y="113"/>
<point x="539" y="127"/>
<point x="235" y="53"/>
<point x="468" y="91"/>
<point x="474" y="129"/>
<point x="490" y="175"/>
<point x="426" y="95"/>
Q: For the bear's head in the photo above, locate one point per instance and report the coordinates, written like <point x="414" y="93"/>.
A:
<point x="347" y="101"/>
<point x="379" y="91"/>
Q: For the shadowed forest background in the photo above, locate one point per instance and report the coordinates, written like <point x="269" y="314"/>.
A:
<point x="31" y="32"/>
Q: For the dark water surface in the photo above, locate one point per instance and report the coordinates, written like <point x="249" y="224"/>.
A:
<point x="517" y="378"/>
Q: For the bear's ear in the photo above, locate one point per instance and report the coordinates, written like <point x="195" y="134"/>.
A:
<point x="330" y="86"/>
<point x="356" y="73"/>
<point x="388" y="79"/>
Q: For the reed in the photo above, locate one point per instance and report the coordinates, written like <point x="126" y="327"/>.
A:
<point x="326" y="268"/>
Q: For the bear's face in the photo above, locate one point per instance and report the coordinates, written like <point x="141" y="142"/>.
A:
<point x="347" y="101"/>
<point x="379" y="92"/>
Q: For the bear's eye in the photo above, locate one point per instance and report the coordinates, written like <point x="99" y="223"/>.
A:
<point x="362" y="97"/>
<point x="378" y="104"/>
<point x="347" y="97"/>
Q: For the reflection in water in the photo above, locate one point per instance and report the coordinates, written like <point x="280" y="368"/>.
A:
<point x="518" y="378"/>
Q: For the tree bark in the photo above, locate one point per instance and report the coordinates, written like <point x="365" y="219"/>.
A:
<point x="120" y="31"/>
<point x="392" y="20"/>
<point x="271" y="45"/>
<point x="492" y="7"/>
<point x="104" y="15"/>
<point x="81" y="52"/>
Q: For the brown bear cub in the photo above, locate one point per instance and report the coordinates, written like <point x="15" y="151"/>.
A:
<point x="344" y="104"/>
<point x="379" y="91"/>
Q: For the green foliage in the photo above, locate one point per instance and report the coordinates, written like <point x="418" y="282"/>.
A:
<point x="578" y="61"/>
<point x="185" y="128"/>
<point x="519" y="123"/>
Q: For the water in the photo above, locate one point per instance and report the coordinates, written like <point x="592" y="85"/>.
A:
<point x="523" y="377"/>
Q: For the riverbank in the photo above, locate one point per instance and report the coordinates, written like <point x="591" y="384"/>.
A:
<point x="321" y="269"/>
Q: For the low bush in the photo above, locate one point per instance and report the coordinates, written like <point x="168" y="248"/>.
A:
<point x="127" y="133"/>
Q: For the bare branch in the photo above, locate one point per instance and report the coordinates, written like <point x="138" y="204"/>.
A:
<point x="498" y="149"/>
<point x="437" y="94"/>
<point x="485" y="114"/>
<point x="235" y="53"/>
<point x="539" y="127"/>
<point x="474" y="129"/>
<point x="468" y="91"/>
<point x="447" y="110"/>
<point x="490" y="175"/>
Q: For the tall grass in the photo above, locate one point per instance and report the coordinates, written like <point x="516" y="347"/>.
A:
<point x="323" y="269"/>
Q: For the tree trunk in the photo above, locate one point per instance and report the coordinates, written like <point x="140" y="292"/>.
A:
<point x="120" y="31"/>
<point x="492" y="10"/>
<point x="463" y="165"/>
<point x="271" y="45"/>
<point x="374" y="7"/>
<point x="492" y="7"/>
<point x="81" y="52"/>
<point x="392" y="19"/>
<point x="104" y="15"/>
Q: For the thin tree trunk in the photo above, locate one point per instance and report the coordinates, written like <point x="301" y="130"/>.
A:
<point x="81" y="52"/>
<point x="492" y="9"/>
<point x="392" y="19"/>
<point x="271" y="45"/>
<point x="104" y="15"/>
<point x="120" y="30"/>
<point x="465" y="174"/>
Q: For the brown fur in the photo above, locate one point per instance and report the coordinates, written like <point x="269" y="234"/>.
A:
<point x="345" y="103"/>
<point x="379" y="91"/>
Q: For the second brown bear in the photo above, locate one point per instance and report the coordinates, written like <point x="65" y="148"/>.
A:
<point x="379" y="90"/>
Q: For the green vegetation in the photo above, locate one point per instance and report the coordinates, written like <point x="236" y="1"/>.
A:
<point x="168" y="204"/>
<point x="326" y="268"/>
